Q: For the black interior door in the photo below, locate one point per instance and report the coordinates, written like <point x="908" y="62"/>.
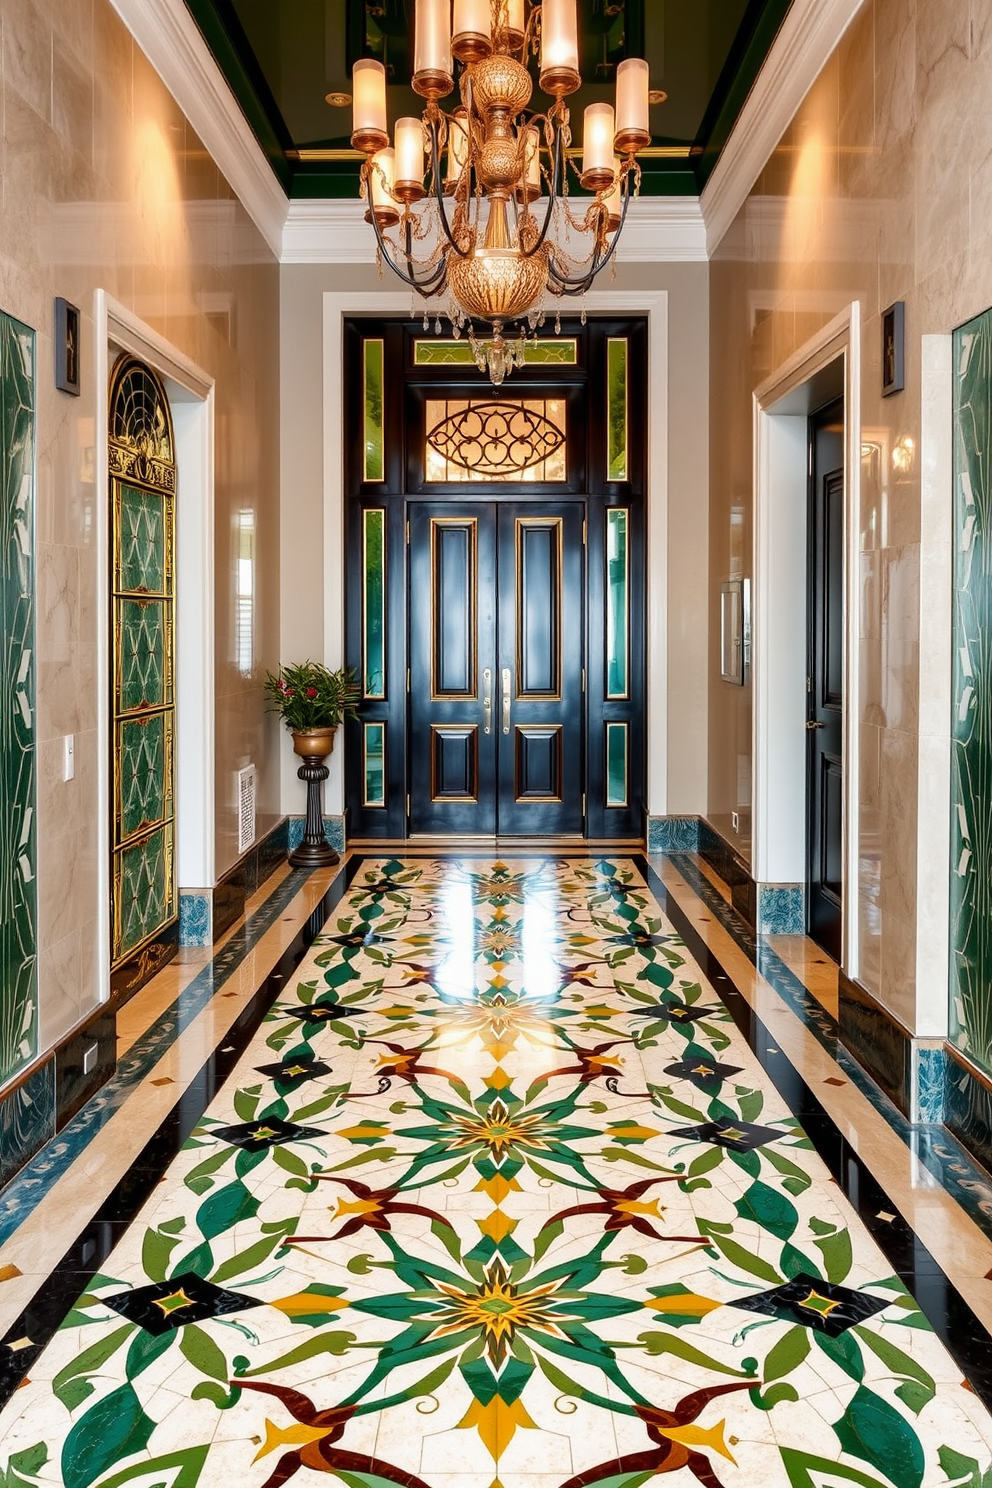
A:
<point x="825" y="679"/>
<point x="496" y="668"/>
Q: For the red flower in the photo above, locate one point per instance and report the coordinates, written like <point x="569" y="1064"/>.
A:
<point x="311" y="692"/>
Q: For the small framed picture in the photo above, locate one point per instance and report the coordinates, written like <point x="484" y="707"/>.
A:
<point x="66" y="347"/>
<point x="894" y="348"/>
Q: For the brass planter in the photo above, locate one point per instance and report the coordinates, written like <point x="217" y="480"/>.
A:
<point x="315" y="743"/>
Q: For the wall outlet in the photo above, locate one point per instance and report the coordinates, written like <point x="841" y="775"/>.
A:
<point x="68" y="756"/>
<point x="90" y="1057"/>
<point x="735" y="821"/>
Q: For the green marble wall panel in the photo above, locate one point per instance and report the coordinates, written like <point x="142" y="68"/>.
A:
<point x="18" y="859"/>
<point x="971" y="700"/>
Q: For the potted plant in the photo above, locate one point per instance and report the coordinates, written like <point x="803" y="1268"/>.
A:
<point x="312" y="701"/>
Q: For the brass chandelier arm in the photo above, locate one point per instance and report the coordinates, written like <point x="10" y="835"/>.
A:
<point x="568" y="285"/>
<point x="438" y="188"/>
<point x="431" y="284"/>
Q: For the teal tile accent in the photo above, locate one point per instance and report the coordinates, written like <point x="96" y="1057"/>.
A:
<point x="781" y="909"/>
<point x="144" y="874"/>
<point x="18" y="765"/>
<point x="673" y="834"/>
<point x="931" y="1083"/>
<point x="333" y="831"/>
<point x="971" y="695"/>
<point x="195" y="918"/>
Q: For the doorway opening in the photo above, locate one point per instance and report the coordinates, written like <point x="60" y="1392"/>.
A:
<point x="805" y="628"/>
<point x="495" y="591"/>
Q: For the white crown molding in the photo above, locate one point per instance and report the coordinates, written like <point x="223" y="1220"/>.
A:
<point x="658" y="230"/>
<point x="806" y="39"/>
<point x="167" y="34"/>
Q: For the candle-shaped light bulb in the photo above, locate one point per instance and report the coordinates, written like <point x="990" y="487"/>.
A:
<point x="529" y="188"/>
<point x="457" y="148"/>
<point x="432" y="48"/>
<point x="597" y="147"/>
<point x="613" y="201"/>
<point x="559" y="47"/>
<point x="633" y="125"/>
<point x="369" y="131"/>
<point x="472" y="30"/>
<point x="382" y="178"/>
<point x="515" y="22"/>
<point x="409" y="159"/>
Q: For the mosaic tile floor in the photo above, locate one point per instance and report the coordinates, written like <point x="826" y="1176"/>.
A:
<point x="497" y="1197"/>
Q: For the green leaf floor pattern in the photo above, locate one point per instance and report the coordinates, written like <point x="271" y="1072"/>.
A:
<point x="497" y="1198"/>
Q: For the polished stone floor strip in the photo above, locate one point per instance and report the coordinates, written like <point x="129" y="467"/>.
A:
<point x="499" y="1196"/>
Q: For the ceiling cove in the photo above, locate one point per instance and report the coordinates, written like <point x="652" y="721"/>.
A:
<point x="711" y="138"/>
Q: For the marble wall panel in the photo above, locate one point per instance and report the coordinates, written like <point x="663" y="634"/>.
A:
<point x="105" y="185"/>
<point x="881" y="188"/>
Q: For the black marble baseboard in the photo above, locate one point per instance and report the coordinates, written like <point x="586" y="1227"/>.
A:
<point x="47" y="1098"/>
<point x="248" y="874"/>
<point x="724" y="860"/>
<point x="877" y="1040"/>
<point x="968" y="1105"/>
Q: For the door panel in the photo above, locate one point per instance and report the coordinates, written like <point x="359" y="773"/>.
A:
<point x="825" y="695"/>
<point x="541" y="603"/>
<point x="452" y="645"/>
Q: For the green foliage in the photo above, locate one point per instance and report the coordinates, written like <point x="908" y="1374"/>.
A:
<point x="308" y="695"/>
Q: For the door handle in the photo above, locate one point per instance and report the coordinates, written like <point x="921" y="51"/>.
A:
<point x="487" y="699"/>
<point x="811" y="723"/>
<point x="506" y="700"/>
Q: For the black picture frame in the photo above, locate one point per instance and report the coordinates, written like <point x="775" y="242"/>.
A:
<point x="66" y="347"/>
<point x="894" y="348"/>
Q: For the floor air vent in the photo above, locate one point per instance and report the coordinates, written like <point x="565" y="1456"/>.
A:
<point x="246" y="808"/>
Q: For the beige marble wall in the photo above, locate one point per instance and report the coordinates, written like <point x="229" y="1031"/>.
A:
<point x="104" y="185"/>
<point x="881" y="189"/>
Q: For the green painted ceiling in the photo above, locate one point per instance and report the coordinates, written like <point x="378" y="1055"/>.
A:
<point x="283" y="57"/>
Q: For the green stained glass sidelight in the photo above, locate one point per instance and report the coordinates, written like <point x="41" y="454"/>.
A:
<point x="375" y="434"/>
<point x="617" y="604"/>
<point x="616" y="408"/>
<point x="374" y="602"/>
<point x="374" y="763"/>
<point x="560" y="352"/>
<point x="616" y="763"/>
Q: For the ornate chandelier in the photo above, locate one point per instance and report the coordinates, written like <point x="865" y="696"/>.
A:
<point x="471" y="208"/>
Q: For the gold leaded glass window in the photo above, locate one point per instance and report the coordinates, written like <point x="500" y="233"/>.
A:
<point x="474" y="439"/>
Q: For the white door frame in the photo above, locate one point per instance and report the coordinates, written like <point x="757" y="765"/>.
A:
<point x="779" y="615"/>
<point x="191" y="398"/>
<point x="655" y="306"/>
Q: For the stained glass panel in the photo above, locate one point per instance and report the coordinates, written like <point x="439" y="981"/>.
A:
<point x="374" y="602"/>
<point x="375" y="442"/>
<point x="496" y="440"/>
<point x="616" y="764"/>
<point x="616" y="408"/>
<point x="617" y="604"/>
<point x="559" y="352"/>
<point x="374" y="737"/>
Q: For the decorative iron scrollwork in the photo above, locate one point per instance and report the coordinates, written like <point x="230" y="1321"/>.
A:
<point x="496" y="439"/>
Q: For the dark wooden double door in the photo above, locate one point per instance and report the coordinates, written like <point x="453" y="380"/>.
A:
<point x="496" y="708"/>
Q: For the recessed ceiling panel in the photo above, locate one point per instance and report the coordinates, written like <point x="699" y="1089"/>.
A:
<point x="289" y="64"/>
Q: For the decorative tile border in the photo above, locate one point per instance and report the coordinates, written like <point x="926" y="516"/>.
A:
<point x="673" y="834"/>
<point x="196" y="917"/>
<point x="334" y="831"/>
<point x="781" y="909"/>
